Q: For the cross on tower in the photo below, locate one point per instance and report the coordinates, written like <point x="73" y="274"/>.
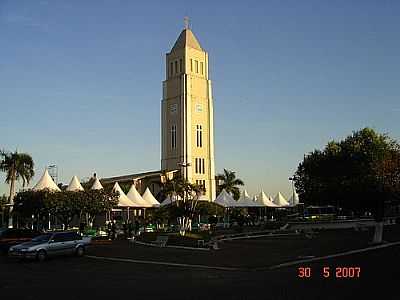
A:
<point x="186" y="22"/>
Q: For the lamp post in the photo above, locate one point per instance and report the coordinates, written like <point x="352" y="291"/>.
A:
<point x="292" y="180"/>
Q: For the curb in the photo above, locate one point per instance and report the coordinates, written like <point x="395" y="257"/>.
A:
<point x="297" y="262"/>
<point x="170" y="246"/>
<point x="171" y="264"/>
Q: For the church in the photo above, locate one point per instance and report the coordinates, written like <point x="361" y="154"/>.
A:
<point x="187" y="121"/>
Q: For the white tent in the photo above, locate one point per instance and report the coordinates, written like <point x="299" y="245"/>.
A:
<point x="123" y="200"/>
<point x="225" y="199"/>
<point x="279" y="200"/>
<point x="46" y="183"/>
<point x="74" y="185"/>
<point x="245" y="200"/>
<point x="135" y="197"/>
<point x="167" y="201"/>
<point x="295" y="200"/>
<point x="149" y="198"/>
<point x="96" y="185"/>
<point x="264" y="200"/>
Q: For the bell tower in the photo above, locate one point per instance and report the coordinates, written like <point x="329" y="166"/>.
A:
<point x="187" y="117"/>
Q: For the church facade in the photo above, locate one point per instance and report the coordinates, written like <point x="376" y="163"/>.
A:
<point x="187" y="117"/>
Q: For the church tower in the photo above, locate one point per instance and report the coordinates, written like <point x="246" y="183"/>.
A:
<point x="187" y="121"/>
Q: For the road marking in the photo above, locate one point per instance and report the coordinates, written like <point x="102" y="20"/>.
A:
<point x="296" y="262"/>
<point x="162" y="263"/>
<point x="258" y="236"/>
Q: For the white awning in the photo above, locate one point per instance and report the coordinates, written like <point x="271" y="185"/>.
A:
<point x="46" y="183"/>
<point x="149" y="198"/>
<point x="123" y="200"/>
<point x="280" y="201"/>
<point x="96" y="185"/>
<point x="74" y="185"/>
<point x="225" y="199"/>
<point x="295" y="200"/>
<point x="245" y="200"/>
<point x="264" y="200"/>
<point x="135" y="197"/>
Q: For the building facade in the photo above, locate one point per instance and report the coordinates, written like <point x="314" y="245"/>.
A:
<point x="187" y="122"/>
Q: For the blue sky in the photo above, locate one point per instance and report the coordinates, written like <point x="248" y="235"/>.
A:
<point x="80" y="81"/>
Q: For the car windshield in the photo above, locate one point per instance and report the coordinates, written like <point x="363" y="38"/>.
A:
<point x="42" y="238"/>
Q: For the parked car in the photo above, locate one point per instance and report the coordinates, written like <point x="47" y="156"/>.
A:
<point x="14" y="236"/>
<point x="51" y="244"/>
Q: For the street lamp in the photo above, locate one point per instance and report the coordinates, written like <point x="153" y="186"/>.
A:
<point x="292" y="180"/>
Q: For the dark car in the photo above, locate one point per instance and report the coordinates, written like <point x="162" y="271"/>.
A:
<point x="14" y="236"/>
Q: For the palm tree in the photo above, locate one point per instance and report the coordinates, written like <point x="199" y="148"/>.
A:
<point x="16" y="166"/>
<point x="230" y="183"/>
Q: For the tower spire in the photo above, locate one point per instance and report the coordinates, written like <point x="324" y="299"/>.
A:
<point x="186" y="22"/>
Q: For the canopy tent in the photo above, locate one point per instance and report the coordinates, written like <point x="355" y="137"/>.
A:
<point x="149" y="198"/>
<point x="135" y="197"/>
<point x="245" y="200"/>
<point x="74" y="185"/>
<point x="294" y="200"/>
<point x="123" y="200"/>
<point x="46" y="183"/>
<point x="167" y="201"/>
<point x="280" y="201"/>
<point x="96" y="185"/>
<point x="264" y="200"/>
<point x="225" y="199"/>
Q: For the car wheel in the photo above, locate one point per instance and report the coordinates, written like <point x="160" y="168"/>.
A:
<point x="80" y="251"/>
<point x="41" y="256"/>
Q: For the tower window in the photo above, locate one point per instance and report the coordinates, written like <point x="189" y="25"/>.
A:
<point x="191" y="65"/>
<point x="196" y="65"/>
<point x="201" y="68"/>
<point x="171" y="69"/>
<point x="176" y="66"/>
<point x="173" y="136"/>
<point x="199" y="136"/>
<point x="180" y="65"/>
<point x="199" y="166"/>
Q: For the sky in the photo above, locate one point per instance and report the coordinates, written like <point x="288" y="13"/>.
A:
<point x="80" y="81"/>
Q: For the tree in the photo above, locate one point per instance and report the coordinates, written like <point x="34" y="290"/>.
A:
<point x="16" y="166"/>
<point x="359" y="173"/>
<point x="64" y="205"/>
<point x="186" y="196"/>
<point x="230" y="183"/>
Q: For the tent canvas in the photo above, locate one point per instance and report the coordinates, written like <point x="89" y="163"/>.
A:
<point x="295" y="200"/>
<point x="245" y="200"/>
<point x="149" y="198"/>
<point x="74" y="185"/>
<point x="123" y="200"/>
<point x="279" y="200"/>
<point x="264" y="200"/>
<point x="135" y="197"/>
<point x="46" y="182"/>
<point x="225" y="199"/>
<point x="96" y="185"/>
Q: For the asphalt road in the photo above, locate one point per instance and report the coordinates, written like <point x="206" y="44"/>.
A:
<point x="89" y="278"/>
<point x="80" y="278"/>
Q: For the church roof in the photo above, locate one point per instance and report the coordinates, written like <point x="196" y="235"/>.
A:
<point x="186" y="39"/>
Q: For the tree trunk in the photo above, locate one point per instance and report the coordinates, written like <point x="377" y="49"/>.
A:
<point x="12" y="194"/>
<point x="378" y="233"/>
